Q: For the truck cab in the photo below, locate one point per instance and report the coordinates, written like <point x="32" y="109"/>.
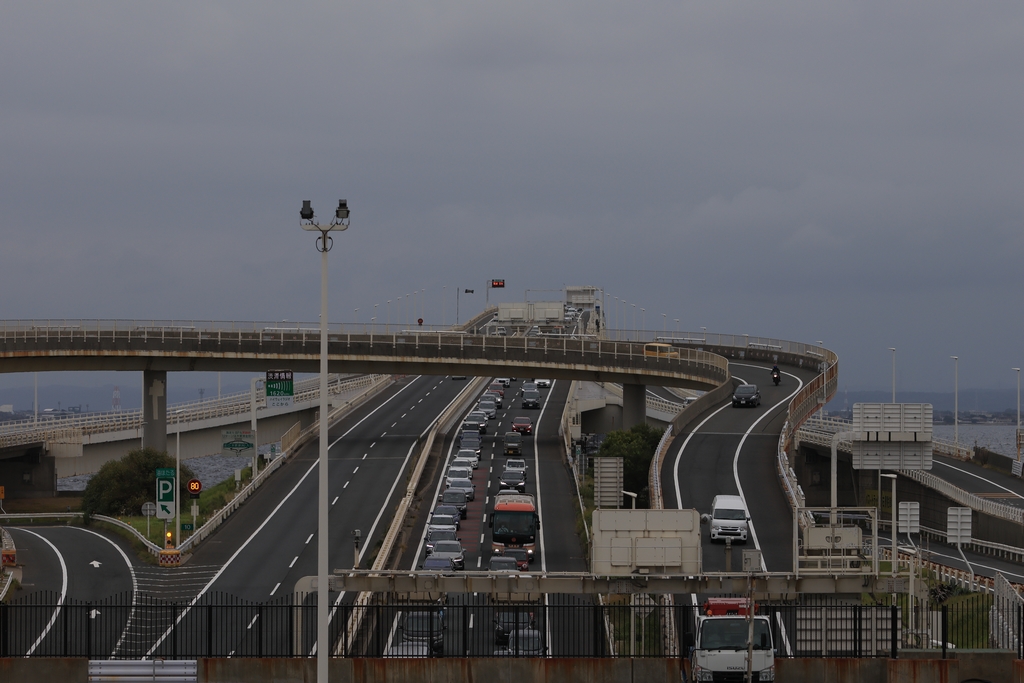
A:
<point x="720" y="643"/>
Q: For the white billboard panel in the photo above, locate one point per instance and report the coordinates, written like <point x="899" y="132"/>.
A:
<point x="647" y="541"/>
<point x="891" y="455"/>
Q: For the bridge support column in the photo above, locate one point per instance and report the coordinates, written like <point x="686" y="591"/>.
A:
<point x="154" y="410"/>
<point x="634" y="405"/>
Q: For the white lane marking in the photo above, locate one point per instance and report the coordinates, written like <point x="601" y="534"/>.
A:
<point x="309" y="539"/>
<point x="135" y="587"/>
<point x="366" y="544"/>
<point x="479" y="561"/>
<point x="403" y="415"/>
<point x="373" y="444"/>
<point x="471" y="615"/>
<point x="421" y="400"/>
<point x="249" y="627"/>
<point x="481" y="539"/>
<point x="977" y="476"/>
<point x="385" y="433"/>
<point x="540" y="514"/>
<point x="63" y="591"/>
<point x="487" y="499"/>
<point x="392" y="425"/>
<point x="275" y="588"/>
<point x="739" y="449"/>
<point x="294" y="560"/>
<point x="485" y="518"/>
<point x="364" y="455"/>
<point x="346" y="484"/>
<point x="335" y="500"/>
<point x="355" y="470"/>
<point x="266" y="521"/>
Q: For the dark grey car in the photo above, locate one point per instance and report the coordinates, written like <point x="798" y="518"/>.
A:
<point x="746" y="395"/>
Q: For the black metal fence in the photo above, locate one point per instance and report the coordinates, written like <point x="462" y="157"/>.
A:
<point x="219" y="625"/>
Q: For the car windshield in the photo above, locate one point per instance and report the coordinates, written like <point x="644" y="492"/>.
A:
<point x="466" y="453"/>
<point x="515" y="523"/>
<point x="447" y="547"/>
<point x="459" y="472"/>
<point x="442" y="520"/>
<point x="513" y="437"/>
<point x="487" y="405"/>
<point x="517" y="554"/>
<point x="422" y="621"/>
<point x="527" y="640"/>
<point x="435" y="535"/>
<point x="746" y="390"/>
<point x="731" y="634"/>
<point x="458" y="497"/>
<point x="726" y="513"/>
<point x="507" y="618"/>
<point x="512" y="475"/>
<point x="461" y="483"/>
<point x="498" y="564"/>
<point x="437" y="563"/>
<point x="446" y="510"/>
<point x="531" y="394"/>
<point x="521" y="421"/>
<point x="514" y="464"/>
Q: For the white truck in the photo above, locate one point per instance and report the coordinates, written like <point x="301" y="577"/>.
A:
<point x="720" y="644"/>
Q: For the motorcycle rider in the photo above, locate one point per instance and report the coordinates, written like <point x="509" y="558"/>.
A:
<point x="775" y="369"/>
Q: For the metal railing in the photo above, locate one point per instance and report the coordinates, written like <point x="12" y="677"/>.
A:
<point x="73" y="428"/>
<point x="221" y="625"/>
<point x="819" y="432"/>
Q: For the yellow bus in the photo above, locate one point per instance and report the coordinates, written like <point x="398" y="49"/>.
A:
<point x="658" y="350"/>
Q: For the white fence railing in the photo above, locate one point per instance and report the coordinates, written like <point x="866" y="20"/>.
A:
<point x="819" y="432"/>
<point x="72" y="429"/>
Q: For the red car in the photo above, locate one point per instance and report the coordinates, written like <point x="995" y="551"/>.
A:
<point x="523" y="425"/>
<point x="521" y="557"/>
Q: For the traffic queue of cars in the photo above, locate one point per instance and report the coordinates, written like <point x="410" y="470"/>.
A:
<point x="460" y="488"/>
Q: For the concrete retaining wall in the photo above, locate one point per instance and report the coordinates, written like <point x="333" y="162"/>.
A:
<point x="997" y="667"/>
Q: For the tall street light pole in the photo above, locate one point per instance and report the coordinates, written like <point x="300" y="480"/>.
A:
<point x="323" y="245"/>
<point x="1018" y="413"/>
<point x="893" y="349"/>
<point x="956" y="402"/>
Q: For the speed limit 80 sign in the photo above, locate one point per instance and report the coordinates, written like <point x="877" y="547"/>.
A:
<point x="195" y="487"/>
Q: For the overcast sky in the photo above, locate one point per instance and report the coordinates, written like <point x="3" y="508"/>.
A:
<point x="849" y="172"/>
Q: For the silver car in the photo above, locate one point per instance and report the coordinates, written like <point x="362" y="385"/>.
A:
<point x="488" y="408"/>
<point x="464" y="485"/>
<point x="439" y="522"/>
<point x="451" y="550"/>
<point x="457" y="473"/>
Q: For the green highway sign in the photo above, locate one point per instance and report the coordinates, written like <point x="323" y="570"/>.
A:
<point x="187" y="527"/>
<point x="165" y="498"/>
<point x="280" y="388"/>
<point x="240" y="442"/>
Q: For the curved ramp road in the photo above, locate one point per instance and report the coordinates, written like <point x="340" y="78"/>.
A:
<point x="732" y="451"/>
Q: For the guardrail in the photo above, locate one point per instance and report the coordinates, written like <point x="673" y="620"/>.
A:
<point x="35" y="347"/>
<point x="819" y="432"/>
<point x="654" y="403"/>
<point x="73" y="429"/>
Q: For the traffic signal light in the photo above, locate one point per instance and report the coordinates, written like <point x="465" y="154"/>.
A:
<point x="169" y="539"/>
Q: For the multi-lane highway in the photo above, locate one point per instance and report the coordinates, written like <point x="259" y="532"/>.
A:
<point x="260" y="553"/>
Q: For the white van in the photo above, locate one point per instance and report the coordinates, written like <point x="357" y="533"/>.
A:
<point x="729" y="519"/>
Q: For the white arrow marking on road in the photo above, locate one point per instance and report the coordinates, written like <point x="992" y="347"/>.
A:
<point x="96" y="564"/>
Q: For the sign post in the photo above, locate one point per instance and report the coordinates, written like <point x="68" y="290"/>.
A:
<point x="165" y="493"/>
<point x="148" y="509"/>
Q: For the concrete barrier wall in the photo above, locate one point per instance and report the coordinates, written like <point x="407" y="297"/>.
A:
<point x="985" y="666"/>
<point x="997" y="667"/>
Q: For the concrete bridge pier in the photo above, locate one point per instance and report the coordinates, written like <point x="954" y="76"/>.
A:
<point x="634" y="405"/>
<point x="154" y="409"/>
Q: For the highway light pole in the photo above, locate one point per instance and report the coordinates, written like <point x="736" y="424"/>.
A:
<point x="956" y="403"/>
<point x="324" y="242"/>
<point x="893" y="349"/>
<point x="1018" y="413"/>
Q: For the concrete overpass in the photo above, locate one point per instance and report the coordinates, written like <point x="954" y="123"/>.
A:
<point x="156" y="349"/>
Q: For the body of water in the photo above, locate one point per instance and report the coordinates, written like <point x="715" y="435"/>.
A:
<point x="209" y="469"/>
<point x="999" y="438"/>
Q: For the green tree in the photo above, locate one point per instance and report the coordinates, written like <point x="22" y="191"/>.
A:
<point x="122" y="486"/>
<point x="636" y="447"/>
